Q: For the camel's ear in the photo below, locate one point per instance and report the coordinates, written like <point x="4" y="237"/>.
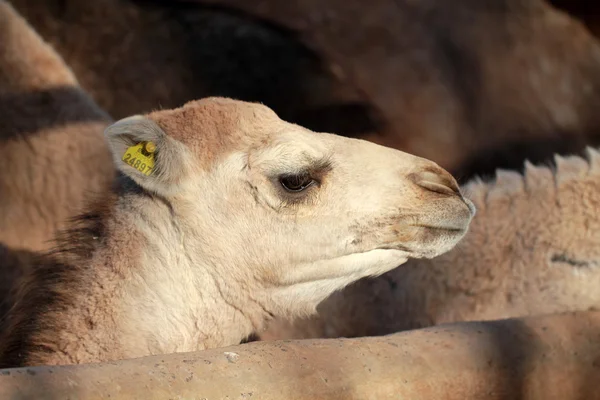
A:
<point x="145" y="153"/>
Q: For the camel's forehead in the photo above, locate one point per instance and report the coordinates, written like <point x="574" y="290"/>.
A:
<point x="216" y="127"/>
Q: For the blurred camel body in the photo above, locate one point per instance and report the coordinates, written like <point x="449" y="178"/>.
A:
<point x="534" y="248"/>
<point x="52" y="152"/>
<point x="473" y="85"/>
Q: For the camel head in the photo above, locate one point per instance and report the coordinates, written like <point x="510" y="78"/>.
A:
<point x="291" y="213"/>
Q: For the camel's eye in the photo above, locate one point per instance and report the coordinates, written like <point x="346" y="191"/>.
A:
<point x="296" y="183"/>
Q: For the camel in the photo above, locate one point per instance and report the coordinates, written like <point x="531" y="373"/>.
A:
<point x="227" y="217"/>
<point x="52" y="152"/>
<point x="533" y="249"/>
<point x="82" y="111"/>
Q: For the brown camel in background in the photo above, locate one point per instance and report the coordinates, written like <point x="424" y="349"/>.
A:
<point x="51" y="147"/>
<point x="473" y="85"/>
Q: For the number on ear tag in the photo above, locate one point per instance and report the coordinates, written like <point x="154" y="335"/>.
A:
<point x="141" y="157"/>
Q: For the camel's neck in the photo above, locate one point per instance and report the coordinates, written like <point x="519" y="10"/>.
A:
<point x="142" y="292"/>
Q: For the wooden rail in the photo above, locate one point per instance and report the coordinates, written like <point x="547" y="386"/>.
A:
<point x="553" y="357"/>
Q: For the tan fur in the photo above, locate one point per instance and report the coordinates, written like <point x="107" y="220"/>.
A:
<point x="52" y="153"/>
<point x="210" y="246"/>
<point x="533" y="249"/>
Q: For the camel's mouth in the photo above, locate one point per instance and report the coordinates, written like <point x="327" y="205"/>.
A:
<point x="449" y="229"/>
<point x="429" y="237"/>
<point x="427" y="233"/>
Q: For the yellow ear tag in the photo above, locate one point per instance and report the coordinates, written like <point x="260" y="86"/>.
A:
<point x="141" y="157"/>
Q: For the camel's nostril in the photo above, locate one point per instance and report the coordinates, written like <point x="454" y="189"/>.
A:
<point x="439" y="182"/>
